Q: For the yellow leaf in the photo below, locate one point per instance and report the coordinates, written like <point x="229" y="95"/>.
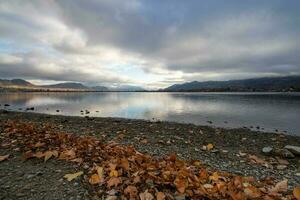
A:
<point x="209" y="146"/>
<point x="113" y="173"/>
<point x="48" y="155"/>
<point x="100" y="172"/>
<point x="2" y="158"/>
<point x="94" y="179"/>
<point x="70" y="177"/>
<point x="296" y="193"/>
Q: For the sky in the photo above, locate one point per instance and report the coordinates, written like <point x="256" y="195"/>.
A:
<point x="146" y="43"/>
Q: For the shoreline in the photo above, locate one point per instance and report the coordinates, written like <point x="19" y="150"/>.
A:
<point x="232" y="148"/>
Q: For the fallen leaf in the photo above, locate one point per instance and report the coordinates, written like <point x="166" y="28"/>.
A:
<point x="100" y="173"/>
<point x="5" y="157"/>
<point x="280" y="186"/>
<point x="70" y="177"/>
<point x="131" y="191"/>
<point x="94" y="179"/>
<point x="252" y="192"/>
<point x="39" y="154"/>
<point x="296" y="193"/>
<point x="125" y="163"/>
<point x="39" y="144"/>
<point x="180" y="185"/>
<point x="160" y="196"/>
<point x="209" y="146"/>
<point x="113" y="173"/>
<point x="146" y="196"/>
<point x="114" y="181"/>
<point x="48" y="155"/>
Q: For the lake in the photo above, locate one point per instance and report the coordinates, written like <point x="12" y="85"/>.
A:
<point x="268" y="111"/>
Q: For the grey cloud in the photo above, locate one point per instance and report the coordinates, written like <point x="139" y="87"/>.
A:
<point x="230" y="38"/>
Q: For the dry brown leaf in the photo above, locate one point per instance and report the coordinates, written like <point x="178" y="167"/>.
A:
<point x="39" y="154"/>
<point x="252" y="192"/>
<point x="100" y="173"/>
<point x="131" y="191"/>
<point x="296" y="193"/>
<point x="5" y="157"/>
<point x="94" y="179"/>
<point x="114" y="181"/>
<point x="146" y="196"/>
<point x="39" y="144"/>
<point x="180" y="184"/>
<point x="125" y="163"/>
<point x="160" y="196"/>
<point x="281" y="186"/>
<point x="70" y="177"/>
<point x="209" y="146"/>
<point x="48" y="155"/>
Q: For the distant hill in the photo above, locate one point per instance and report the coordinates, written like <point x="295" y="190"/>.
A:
<point x="15" y="82"/>
<point x="289" y="83"/>
<point x="68" y="86"/>
<point x="128" y="88"/>
<point x="22" y="85"/>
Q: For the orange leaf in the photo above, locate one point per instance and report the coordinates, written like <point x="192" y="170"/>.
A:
<point x="296" y="193"/>
<point x="160" y="196"/>
<point x="114" y="181"/>
<point x="209" y="146"/>
<point x="180" y="184"/>
<point x="94" y="179"/>
<point x="125" y="164"/>
<point x="5" y="157"/>
<point x="39" y="154"/>
<point x="131" y="191"/>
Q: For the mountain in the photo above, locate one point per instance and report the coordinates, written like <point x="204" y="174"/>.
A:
<point x="15" y="82"/>
<point x="99" y="88"/>
<point x="289" y="83"/>
<point x="22" y="85"/>
<point x="78" y="86"/>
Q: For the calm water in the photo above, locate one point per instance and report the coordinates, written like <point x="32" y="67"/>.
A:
<point x="269" y="111"/>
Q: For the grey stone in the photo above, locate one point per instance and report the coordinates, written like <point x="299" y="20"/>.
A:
<point x="294" y="149"/>
<point x="267" y="150"/>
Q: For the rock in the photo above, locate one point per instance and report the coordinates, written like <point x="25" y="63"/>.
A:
<point x="294" y="149"/>
<point x="31" y="108"/>
<point x="284" y="153"/>
<point x="267" y="150"/>
<point x="6" y="105"/>
<point x="281" y="167"/>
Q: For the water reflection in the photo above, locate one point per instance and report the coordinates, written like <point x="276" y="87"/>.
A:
<point x="270" y="111"/>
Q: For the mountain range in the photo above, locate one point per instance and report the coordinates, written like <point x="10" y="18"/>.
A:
<point x="22" y="85"/>
<point x="267" y="84"/>
<point x="288" y="83"/>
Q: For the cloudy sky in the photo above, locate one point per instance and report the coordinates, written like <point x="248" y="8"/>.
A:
<point x="151" y="43"/>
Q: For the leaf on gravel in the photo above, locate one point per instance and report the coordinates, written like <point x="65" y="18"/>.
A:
<point x="94" y="179"/>
<point x="160" y="196"/>
<point x="180" y="184"/>
<point x="100" y="173"/>
<point x="114" y="181"/>
<point x="39" y="144"/>
<point x="252" y="192"/>
<point x="48" y="155"/>
<point x="146" y="196"/>
<point x="70" y="177"/>
<point x="39" y="154"/>
<point x="131" y="191"/>
<point x="296" y="193"/>
<point x="27" y="155"/>
<point x="209" y="146"/>
<point x="281" y="186"/>
<point x="5" y="157"/>
<point x="125" y="163"/>
<point x="67" y="155"/>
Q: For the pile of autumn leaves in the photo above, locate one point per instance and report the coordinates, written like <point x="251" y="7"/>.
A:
<point x="122" y="172"/>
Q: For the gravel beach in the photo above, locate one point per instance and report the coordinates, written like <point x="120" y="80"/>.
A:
<point x="238" y="151"/>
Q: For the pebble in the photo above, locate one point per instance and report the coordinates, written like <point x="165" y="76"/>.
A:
<point x="294" y="149"/>
<point x="267" y="150"/>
